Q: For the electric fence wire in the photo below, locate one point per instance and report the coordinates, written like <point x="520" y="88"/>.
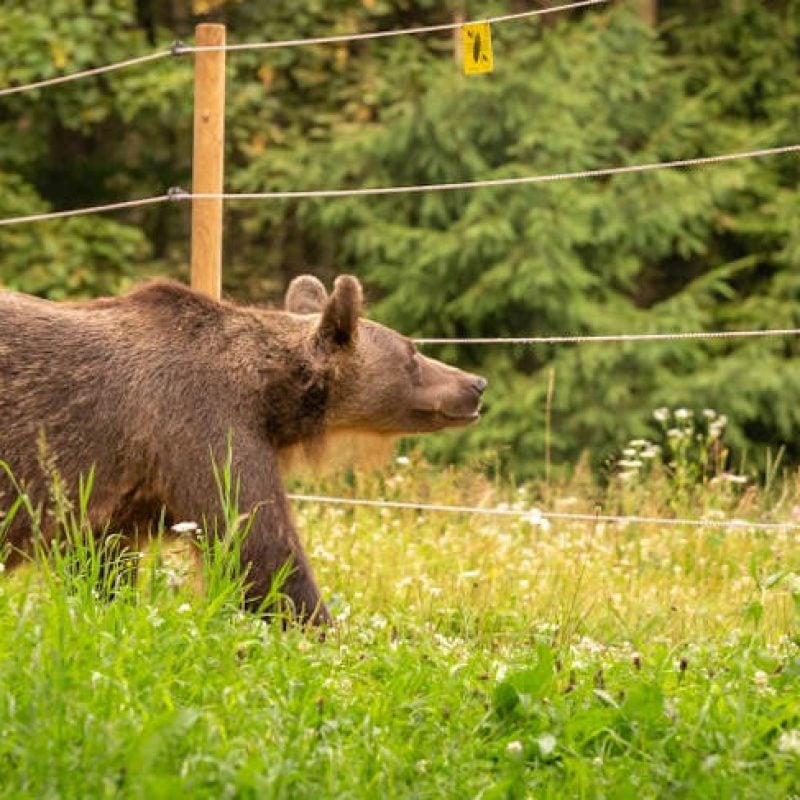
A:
<point x="521" y="180"/>
<point x="86" y="73"/>
<point x="535" y="516"/>
<point x="613" y="337"/>
<point x="181" y="195"/>
<point x="360" y="37"/>
<point x="179" y="48"/>
<point x="77" y="212"/>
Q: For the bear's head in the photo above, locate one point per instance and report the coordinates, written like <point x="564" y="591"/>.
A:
<point x="382" y="384"/>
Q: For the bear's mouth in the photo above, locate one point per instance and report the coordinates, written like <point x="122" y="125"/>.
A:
<point x="462" y="419"/>
<point x="435" y="418"/>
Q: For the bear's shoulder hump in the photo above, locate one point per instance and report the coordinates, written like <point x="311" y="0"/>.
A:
<point x="163" y="294"/>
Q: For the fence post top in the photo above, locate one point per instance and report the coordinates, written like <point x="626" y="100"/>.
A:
<point x="209" y="29"/>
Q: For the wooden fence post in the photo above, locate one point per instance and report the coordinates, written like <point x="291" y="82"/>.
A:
<point x="648" y="11"/>
<point x="458" y="17"/>
<point x="208" y="160"/>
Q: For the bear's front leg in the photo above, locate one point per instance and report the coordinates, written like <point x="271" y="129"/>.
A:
<point x="272" y="543"/>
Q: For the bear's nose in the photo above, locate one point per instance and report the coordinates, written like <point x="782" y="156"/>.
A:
<point x="479" y="385"/>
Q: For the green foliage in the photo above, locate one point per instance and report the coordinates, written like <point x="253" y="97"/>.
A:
<point x="84" y="143"/>
<point x="77" y="257"/>
<point x="480" y="689"/>
<point x="683" y="250"/>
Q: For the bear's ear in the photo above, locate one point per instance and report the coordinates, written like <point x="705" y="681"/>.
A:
<point x="305" y="295"/>
<point x="339" y="323"/>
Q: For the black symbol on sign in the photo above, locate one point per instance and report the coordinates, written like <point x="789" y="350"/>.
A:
<point x="478" y="54"/>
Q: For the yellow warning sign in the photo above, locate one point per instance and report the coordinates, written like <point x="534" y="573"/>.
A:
<point x="476" y="48"/>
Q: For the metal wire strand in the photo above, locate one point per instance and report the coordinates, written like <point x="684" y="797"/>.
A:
<point x="615" y="337"/>
<point x="495" y="182"/>
<point x="76" y="212"/>
<point x="179" y="194"/>
<point x="181" y="49"/>
<point x="535" y="515"/>
<point x="85" y="73"/>
<point x="355" y="37"/>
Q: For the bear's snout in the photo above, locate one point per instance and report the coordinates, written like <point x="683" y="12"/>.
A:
<point x="448" y="397"/>
<point x="465" y="404"/>
<point x="479" y="385"/>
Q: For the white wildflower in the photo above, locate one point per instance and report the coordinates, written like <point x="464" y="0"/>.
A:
<point x="717" y="426"/>
<point x="730" y="478"/>
<point x="155" y="620"/>
<point x="548" y="628"/>
<point x="403" y="461"/>
<point x="587" y="644"/>
<point x="544" y="525"/>
<point x="760" y="678"/>
<point x="547" y="744"/>
<point x="184" y="608"/>
<point x="661" y="414"/>
<point x="711" y="762"/>
<point x="499" y="668"/>
<point x="445" y="642"/>
<point x="185" y="527"/>
<point x="514" y="748"/>
<point x="714" y="431"/>
<point x="378" y="622"/>
<point x="533" y="516"/>
<point x="682" y="413"/>
<point x="789" y="742"/>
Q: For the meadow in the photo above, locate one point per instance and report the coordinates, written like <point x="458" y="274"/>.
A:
<point x="473" y="656"/>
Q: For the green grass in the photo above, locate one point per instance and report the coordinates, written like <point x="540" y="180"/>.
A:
<point x="474" y="657"/>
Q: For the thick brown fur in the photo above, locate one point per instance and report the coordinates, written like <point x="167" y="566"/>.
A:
<point x="150" y="387"/>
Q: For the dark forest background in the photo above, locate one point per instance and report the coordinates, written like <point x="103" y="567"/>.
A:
<point x="710" y="248"/>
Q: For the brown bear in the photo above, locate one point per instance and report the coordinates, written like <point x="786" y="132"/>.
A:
<point x="149" y="388"/>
